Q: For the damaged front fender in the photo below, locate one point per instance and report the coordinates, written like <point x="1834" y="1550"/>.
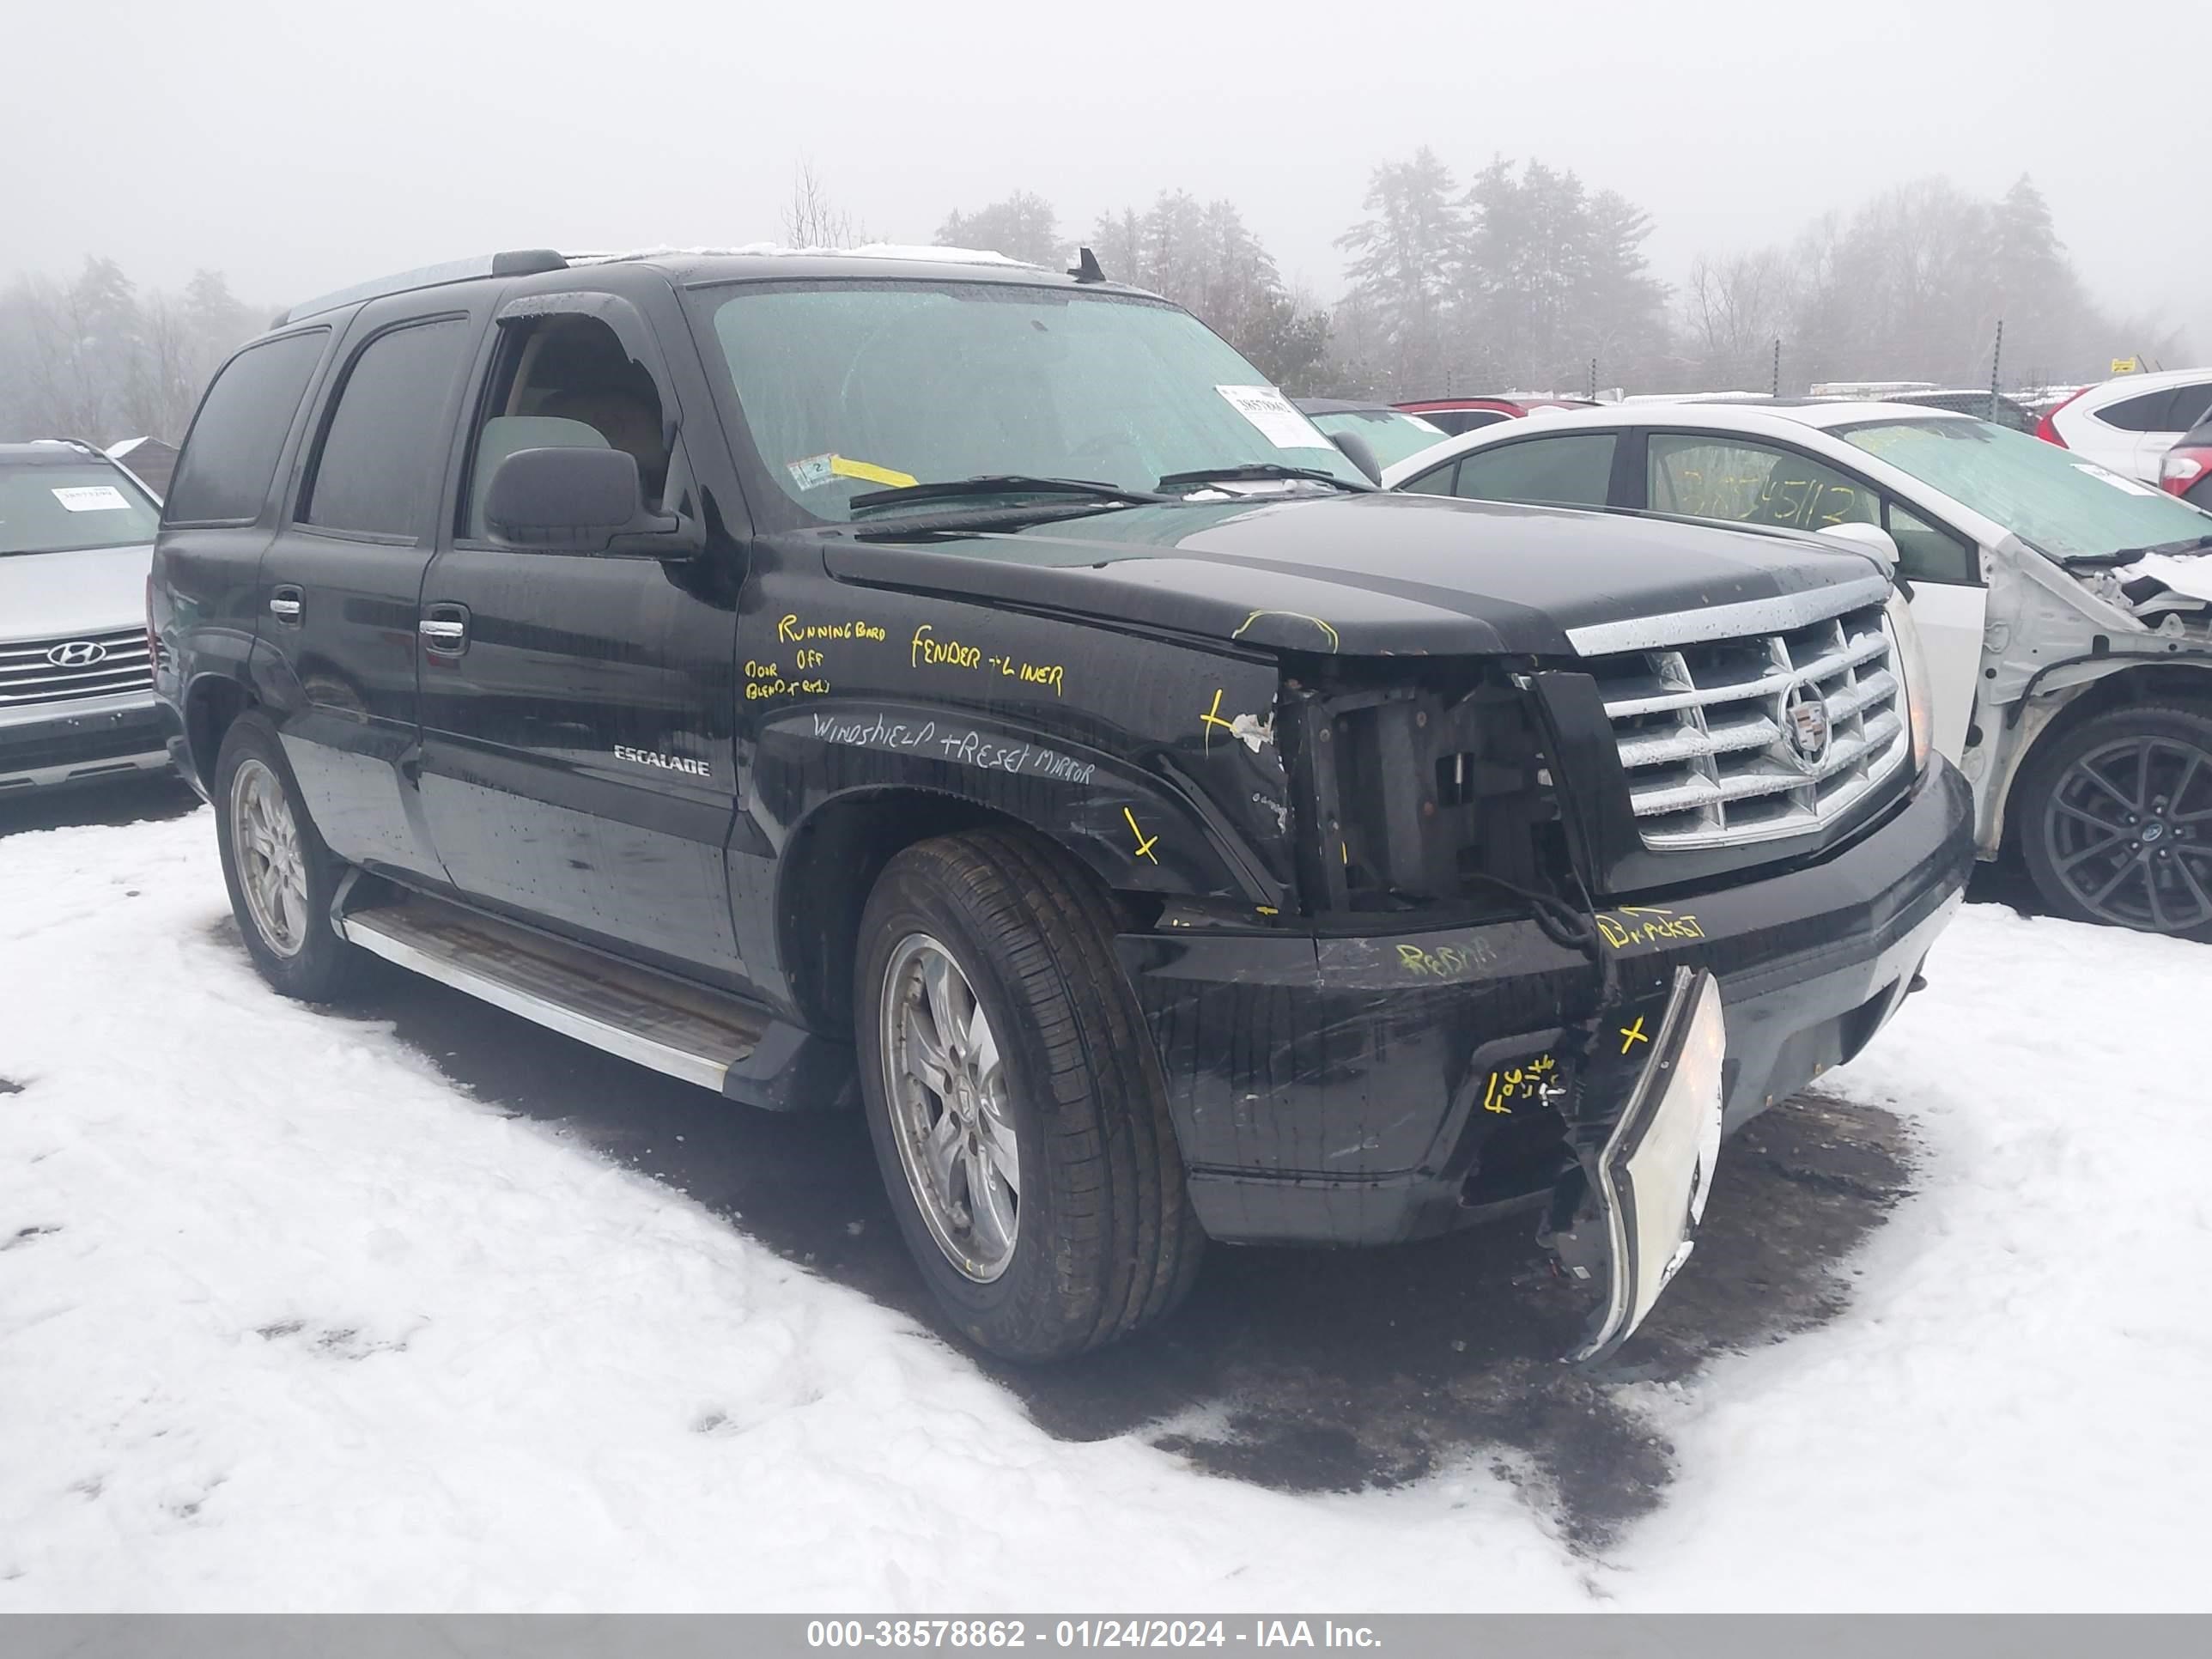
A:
<point x="2052" y="632"/>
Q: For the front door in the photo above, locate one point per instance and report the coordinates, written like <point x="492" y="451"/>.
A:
<point x="578" y="764"/>
<point x="340" y="579"/>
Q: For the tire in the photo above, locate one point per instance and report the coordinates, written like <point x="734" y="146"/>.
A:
<point x="1103" y="1239"/>
<point x="256" y="804"/>
<point x="2117" y="825"/>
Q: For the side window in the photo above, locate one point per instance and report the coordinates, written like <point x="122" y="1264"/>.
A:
<point x="2190" y="404"/>
<point x="1746" y="482"/>
<point x="230" y="454"/>
<point x="1926" y="554"/>
<point x="380" y="461"/>
<point x="564" y="382"/>
<point x="1571" y="471"/>
<point x="1436" y="480"/>
<point x="2150" y="411"/>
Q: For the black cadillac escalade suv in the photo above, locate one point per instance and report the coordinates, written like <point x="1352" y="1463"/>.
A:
<point x="972" y="690"/>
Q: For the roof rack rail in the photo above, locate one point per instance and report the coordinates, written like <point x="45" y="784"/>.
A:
<point x="517" y="262"/>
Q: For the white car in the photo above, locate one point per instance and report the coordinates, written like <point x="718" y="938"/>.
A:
<point x="77" y="684"/>
<point x="2129" y="423"/>
<point x="2072" y="672"/>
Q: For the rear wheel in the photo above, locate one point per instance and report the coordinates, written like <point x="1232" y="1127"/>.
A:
<point x="1015" y="1101"/>
<point x="282" y="878"/>
<point x="2118" y="821"/>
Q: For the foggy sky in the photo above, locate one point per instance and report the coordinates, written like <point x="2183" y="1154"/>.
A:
<point x="304" y="147"/>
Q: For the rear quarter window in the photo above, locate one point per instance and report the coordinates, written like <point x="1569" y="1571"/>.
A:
<point x="229" y="456"/>
<point x="2173" y="409"/>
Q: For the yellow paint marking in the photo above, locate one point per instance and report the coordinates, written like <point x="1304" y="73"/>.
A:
<point x="1144" y="846"/>
<point x="1295" y="615"/>
<point x="1632" y="1035"/>
<point x="869" y="472"/>
<point x="1212" y="717"/>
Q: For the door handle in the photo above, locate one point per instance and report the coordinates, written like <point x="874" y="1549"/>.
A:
<point x="287" y="603"/>
<point x="445" y="629"/>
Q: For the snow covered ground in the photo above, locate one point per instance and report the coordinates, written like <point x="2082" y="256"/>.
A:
<point x="289" y="1319"/>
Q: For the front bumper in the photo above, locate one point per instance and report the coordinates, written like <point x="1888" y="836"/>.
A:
<point x="83" y="742"/>
<point x="1369" y="1091"/>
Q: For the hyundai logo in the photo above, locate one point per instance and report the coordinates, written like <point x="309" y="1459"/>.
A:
<point x="1805" y="724"/>
<point x="77" y="653"/>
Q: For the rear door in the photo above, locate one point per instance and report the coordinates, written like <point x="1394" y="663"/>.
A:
<point x="579" y="766"/>
<point x="342" y="578"/>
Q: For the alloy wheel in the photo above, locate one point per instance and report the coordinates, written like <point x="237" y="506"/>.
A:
<point x="2128" y="832"/>
<point x="946" y="1084"/>
<point x="271" y="870"/>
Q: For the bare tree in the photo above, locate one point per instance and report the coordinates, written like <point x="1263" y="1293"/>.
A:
<point x="1733" y="311"/>
<point x="811" y="219"/>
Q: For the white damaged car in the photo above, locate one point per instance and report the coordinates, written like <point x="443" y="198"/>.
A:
<point x="2065" y="610"/>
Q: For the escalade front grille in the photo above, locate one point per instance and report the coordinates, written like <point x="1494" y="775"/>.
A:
<point x="74" y="666"/>
<point x="1755" y="736"/>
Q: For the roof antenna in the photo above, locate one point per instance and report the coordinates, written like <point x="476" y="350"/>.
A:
<point x="1087" y="267"/>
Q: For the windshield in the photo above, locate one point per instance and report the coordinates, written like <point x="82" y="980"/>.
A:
<point x="2063" y="507"/>
<point x="851" y="387"/>
<point x="62" y="509"/>
<point x="1392" y="434"/>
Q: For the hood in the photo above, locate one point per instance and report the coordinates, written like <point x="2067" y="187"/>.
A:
<point x="1368" y="574"/>
<point x="92" y="590"/>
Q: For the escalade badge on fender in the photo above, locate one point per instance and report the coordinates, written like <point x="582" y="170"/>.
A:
<point x="77" y="653"/>
<point x="1805" y="723"/>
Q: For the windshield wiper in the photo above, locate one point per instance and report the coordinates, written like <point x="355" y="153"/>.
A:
<point x="1259" y="471"/>
<point x="2130" y="555"/>
<point x="997" y="483"/>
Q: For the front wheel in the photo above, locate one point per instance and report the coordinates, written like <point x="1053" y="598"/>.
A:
<point x="1017" y="1107"/>
<point x="2116" y="826"/>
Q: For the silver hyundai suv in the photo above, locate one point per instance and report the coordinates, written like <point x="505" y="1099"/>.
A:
<point x="77" y="684"/>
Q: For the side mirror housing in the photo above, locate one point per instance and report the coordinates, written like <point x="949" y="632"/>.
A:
<point x="569" y="500"/>
<point x="1360" y="453"/>
<point x="1872" y="538"/>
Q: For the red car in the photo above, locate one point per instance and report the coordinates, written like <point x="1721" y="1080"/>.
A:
<point x="1458" y="415"/>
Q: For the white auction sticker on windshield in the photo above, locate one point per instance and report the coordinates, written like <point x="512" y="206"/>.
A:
<point x="1276" y="416"/>
<point x="2113" y="479"/>
<point x="92" y="498"/>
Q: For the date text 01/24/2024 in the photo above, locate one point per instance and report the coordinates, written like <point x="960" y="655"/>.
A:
<point x="1131" y="1632"/>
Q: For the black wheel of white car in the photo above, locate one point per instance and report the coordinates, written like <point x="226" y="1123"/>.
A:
<point x="281" y="877"/>
<point x="1015" y="1101"/>
<point x="2118" y="824"/>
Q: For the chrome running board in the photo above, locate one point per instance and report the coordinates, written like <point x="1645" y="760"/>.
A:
<point x="684" y="1030"/>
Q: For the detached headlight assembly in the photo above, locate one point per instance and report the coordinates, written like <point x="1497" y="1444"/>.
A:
<point x="1912" y="670"/>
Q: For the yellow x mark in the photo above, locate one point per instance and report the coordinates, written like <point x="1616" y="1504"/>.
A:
<point x="1212" y="717"/>
<point x="1632" y="1035"/>
<point x="1144" y="846"/>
